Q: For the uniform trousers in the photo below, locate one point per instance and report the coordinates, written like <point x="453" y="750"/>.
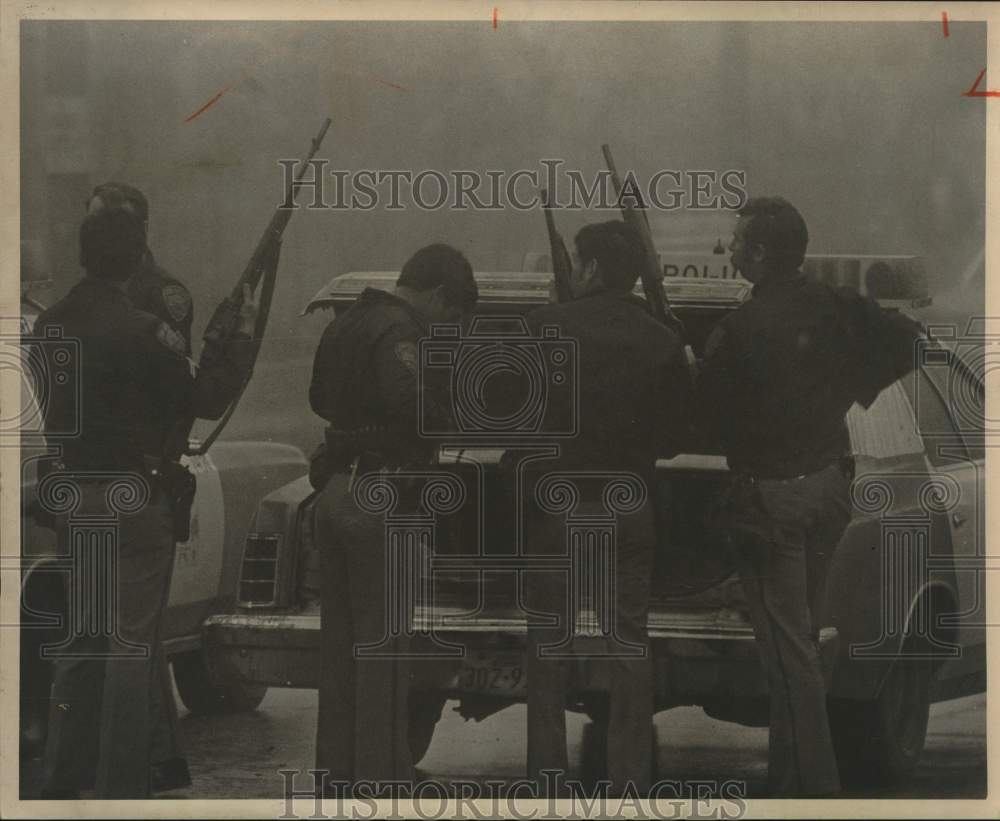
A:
<point x="786" y="531"/>
<point x="626" y="653"/>
<point x="103" y="705"/>
<point x="362" y="722"/>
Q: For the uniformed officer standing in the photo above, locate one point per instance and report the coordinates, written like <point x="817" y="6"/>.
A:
<point x="223" y="364"/>
<point x="633" y="407"/>
<point x="153" y="290"/>
<point x="778" y="378"/>
<point x="364" y="384"/>
<point x="135" y="383"/>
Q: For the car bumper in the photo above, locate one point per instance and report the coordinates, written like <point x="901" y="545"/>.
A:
<point x="698" y="655"/>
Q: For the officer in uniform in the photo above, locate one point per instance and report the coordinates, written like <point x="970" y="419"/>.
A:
<point x="135" y="383"/>
<point x="633" y="407"/>
<point x="778" y="377"/>
<point x="153" y="290"/>
<point x="364" y="384"/>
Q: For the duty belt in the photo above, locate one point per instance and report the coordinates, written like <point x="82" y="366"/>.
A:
<point x="180" y="486"/>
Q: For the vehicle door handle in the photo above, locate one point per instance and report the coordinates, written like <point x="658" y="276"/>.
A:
<point x="957" y="519"/>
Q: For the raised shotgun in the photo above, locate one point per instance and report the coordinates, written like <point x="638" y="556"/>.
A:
<point x="650" y="274"/>
<point x="263" y="265"/>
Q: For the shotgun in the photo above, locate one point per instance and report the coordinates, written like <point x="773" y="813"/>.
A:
<point x="561" y="263"/>
<point x="651" y="273"/>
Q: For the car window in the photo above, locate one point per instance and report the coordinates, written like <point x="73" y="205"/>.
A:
<point x="887" y="428"/>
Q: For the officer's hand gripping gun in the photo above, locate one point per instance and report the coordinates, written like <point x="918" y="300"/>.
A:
<point x="263" y="265"/>
<point x="264" y="260"/>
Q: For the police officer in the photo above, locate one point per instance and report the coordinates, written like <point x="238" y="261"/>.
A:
<point x="633" y="407"/>
<point x="223" y="364"/>
<point x="364" y="384"/>
<point x="778" y="377"/>
<point x="135" y="384"/>
<point x="152" y="289"/>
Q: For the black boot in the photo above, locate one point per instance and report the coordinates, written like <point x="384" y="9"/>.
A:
<point x="171" y="774"/>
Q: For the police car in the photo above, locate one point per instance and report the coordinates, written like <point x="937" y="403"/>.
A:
<point x="904" y="611"/>
<point x="231" y="476"/>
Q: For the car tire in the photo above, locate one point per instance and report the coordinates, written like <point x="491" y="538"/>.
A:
<point x="35" y="683"/>
<point x="202" y="696"/>
<point x="424" y="713"/>
<point x="878" y="742"/>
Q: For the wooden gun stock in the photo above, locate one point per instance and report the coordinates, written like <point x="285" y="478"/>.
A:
<point x="650" y="274"/>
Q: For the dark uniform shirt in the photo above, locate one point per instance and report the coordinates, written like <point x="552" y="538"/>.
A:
<point x="633" y="405"/>
<point x="156" y="292"/>
<point x="131" y="381"/>
<point x="136" y="392"/>
<point x="781" y="372"/>
<point x="365" y="368"/>
<point x="222" y="366"/>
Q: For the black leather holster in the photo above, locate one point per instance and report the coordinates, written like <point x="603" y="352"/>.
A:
<point x="179" y="485"/>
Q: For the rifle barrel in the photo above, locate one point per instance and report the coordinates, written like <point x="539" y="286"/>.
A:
<point x="561" y="263"/>
<point x="279" y="221"/>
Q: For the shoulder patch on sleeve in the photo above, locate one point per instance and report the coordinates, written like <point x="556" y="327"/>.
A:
<point x="406" y="352"/>
<point x="177" y="301"/>
<point x="171" y="339"/>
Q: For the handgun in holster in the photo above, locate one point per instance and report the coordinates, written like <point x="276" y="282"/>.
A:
<point x="179" y="485"/>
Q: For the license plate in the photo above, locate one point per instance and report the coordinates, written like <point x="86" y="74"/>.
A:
<point x="493" y="673"/>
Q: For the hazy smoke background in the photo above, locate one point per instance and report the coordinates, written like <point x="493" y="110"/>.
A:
<point x="862" y="125"/>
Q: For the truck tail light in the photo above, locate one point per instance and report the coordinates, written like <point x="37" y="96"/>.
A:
<point x="310" y="571"/>
<point x="259" y="573"/>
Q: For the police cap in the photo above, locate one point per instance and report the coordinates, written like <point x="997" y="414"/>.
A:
<point x="119" y="195"/>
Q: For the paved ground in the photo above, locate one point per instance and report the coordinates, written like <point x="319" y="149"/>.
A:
<point x="239" y="756"/>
